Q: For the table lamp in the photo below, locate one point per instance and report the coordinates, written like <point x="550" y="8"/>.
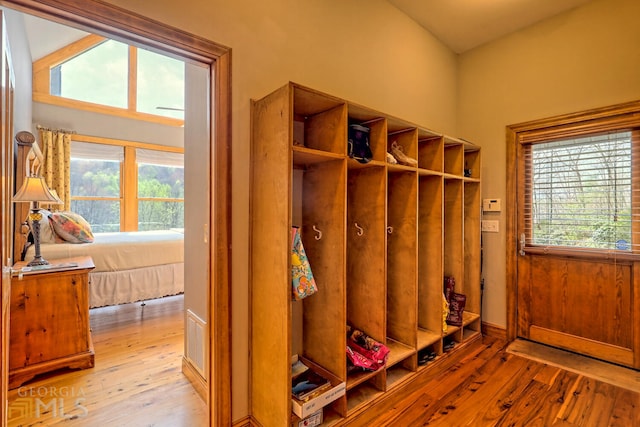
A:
<point x="35" y="190"/>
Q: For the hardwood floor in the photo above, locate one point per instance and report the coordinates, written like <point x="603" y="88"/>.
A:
<point x="137" y="381"/>
<point x="137" y="378"/>
<point x="491" y="387"/>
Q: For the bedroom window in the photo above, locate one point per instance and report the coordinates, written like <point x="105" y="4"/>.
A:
<point x="160" y="190"/>
<point x="121" y="186"/>
<point x="95" y="183"/>
<point x="110" y="77"/>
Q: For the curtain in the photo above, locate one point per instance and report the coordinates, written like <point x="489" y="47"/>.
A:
<point x="56" y="147"/>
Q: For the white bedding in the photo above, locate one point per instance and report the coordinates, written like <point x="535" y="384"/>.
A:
<point x="130" y="266"/>
<point x="121" y="251"/>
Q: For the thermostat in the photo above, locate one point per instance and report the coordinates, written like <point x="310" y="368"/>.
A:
<point x="491" y="205"/>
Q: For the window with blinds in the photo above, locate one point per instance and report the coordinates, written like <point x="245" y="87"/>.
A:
<point x="579" y="192"/>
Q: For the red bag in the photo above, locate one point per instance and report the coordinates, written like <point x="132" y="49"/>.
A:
<point x="456" y="309"/>
<point x="367" y="346"/>
<point x="359" y="361"/>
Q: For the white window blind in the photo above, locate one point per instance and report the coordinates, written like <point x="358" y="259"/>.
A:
<point x="91" y="151"/>
<point x="579" y="192"/>
<point x="161" y="158"/>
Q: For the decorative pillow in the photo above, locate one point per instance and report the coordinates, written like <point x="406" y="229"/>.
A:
<point x="71" y="227"/>
<point x="47" y="234"/>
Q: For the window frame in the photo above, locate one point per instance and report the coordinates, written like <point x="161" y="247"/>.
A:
<point x="42" y="84"/>
<point x="611" y="119"/>
<point x="529" y="179"/>
<point x="128" y="177"/>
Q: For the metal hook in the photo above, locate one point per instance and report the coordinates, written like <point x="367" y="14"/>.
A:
<point x="360" y="230"/>
<point x="318" y="235"/>
<point x="390" y="229"/>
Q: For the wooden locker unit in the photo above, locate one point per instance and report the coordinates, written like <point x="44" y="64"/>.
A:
<point x="380" y="237"/>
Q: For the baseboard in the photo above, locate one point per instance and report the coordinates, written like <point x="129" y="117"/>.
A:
<point x="245" y="422"/>
<point x="494" y="331"/>
<point x="194" y="377"/>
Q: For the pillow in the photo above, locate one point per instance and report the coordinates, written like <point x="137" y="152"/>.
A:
<point x="47" y="234"/>
<point x="71" y="227"/>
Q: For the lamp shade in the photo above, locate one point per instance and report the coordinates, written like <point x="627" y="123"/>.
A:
<point x="34" y="189"/>
<point x="57" y="201"/>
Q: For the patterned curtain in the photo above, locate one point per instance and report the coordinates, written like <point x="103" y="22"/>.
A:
<point x="56" y="147"/>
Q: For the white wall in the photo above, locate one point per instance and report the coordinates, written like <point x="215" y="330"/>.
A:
<point x="582" y="59"/>
<point x="21" y="64"/>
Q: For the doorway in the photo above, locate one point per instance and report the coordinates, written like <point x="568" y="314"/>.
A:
<point x="116" y="23"/>
<point x="572" y="240"/>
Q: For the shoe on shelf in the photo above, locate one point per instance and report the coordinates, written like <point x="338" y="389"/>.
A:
<point x="396" y="150"/>
<point x="391" y="160"/>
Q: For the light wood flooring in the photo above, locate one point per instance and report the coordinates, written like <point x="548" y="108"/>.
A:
<point x="137" y="379"/>
<point x="494" y="387"/>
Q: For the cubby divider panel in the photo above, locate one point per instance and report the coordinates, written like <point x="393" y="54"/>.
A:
<point x="327" y="131"/>
<point x="377" y="138"/>
<point x="472" y="163"/>
<point x="366" y="251"/>
<point x="430" y="153"/>
<point x="453" y="158"/>
<point x="472" y="246"/>
<point x="453" y="227"/>
<point x="400" y="372"/>
<point x="407" y="139"/>
<point x="402" y="257"/>
<point x="430" y="257"/>
<point x="324" y="207"/>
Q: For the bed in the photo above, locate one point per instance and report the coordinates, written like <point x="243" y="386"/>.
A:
<point x="130" y="266"/>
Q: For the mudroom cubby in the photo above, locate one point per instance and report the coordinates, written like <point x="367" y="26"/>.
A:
<point x="380" y="237"/>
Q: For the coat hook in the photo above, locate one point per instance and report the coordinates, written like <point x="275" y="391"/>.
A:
<point x="318" y="235"/>
<point x="390" y="229"/>
<point x="360" y="230"/>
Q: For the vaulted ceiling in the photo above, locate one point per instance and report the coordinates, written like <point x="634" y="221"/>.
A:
<point x="459" y="24"/>
<point x="465" y="24"/>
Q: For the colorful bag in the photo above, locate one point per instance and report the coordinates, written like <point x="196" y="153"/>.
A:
<point x="302" y="282"/>
<point x="456" y="309"/>
<point x="366" y="346"/>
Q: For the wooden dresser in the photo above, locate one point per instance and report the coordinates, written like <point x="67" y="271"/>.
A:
<point x="49" y="319"/>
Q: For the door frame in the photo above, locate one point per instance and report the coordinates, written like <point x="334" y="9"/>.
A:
<point x="124" y="25"/>
<point x="599" y="118"/>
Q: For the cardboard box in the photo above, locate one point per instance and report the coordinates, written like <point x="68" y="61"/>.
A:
<point x="312" y="420"/>
<point x="304" y="409"/>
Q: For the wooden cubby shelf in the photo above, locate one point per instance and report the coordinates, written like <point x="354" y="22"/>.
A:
<point x="379" y="237"/>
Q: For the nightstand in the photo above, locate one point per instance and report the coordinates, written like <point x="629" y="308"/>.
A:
<point x="49" y="319"/>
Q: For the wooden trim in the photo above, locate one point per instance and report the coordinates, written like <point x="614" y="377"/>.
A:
<point x="511" y="220"/>
<point x="567" y="125"/>
<point x="115" y="22"/>
<point x="198" y="382"/>
<point x="219" y="368"/>
<point x="124" y="143"/>
<point x="245" y="422"/>
<point x="41" y="68"/>
<point x="46" y="98"/>
<point x="494" y="331"/>
<point x="129" y="191"/>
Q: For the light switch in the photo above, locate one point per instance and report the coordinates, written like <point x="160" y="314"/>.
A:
<point x="490" y="226"/>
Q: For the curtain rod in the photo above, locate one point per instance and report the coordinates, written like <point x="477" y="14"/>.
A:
<point x="39" y="127"/>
